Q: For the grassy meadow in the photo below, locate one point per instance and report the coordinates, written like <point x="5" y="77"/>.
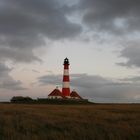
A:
<point x="69" y="122"/>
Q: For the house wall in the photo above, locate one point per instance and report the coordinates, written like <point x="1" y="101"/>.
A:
<point x="54" y="97"/>
<point x="75" y="97"/>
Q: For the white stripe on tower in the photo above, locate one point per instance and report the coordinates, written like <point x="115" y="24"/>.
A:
<point x="66" y="72"/>
<point x="66" y="84"/>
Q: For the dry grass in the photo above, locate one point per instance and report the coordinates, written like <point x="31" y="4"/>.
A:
<point x="69" y="122"/>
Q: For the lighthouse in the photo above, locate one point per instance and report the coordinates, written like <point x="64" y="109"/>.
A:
<point x="66" y="79"/>
<point x="65" y="94"/>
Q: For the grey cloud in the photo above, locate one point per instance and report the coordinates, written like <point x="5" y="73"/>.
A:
<point x="24" y="25"/>
<point x="33" y="18"/>
<point x="17" y="55"/>
<point x="132" y="54"/>
<point x="4" y="69"/>
<point x="132" y="79"/>
<point x="11" y="84"/>
<point x="98" y="88"/>
<point x="112" y="16"/>
<point x="6" y="81"/>
<point x="50" y="79"/>
<point x="36" y="71"/>
<point x="88" y="81"/>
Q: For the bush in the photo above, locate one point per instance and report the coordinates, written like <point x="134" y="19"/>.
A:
<point x="18" y="99"/>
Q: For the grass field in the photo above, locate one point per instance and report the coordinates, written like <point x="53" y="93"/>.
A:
<point x="69" y="122"/>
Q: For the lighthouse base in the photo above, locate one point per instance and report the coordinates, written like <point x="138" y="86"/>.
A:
<point x="66" y="92"/>
<point x="68" y="97"/>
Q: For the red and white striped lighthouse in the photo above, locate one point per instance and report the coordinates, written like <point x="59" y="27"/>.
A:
<point x="66" y="79"/>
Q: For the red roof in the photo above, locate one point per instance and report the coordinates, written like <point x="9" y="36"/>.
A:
<point x="56" y="92"/>
<point x="75" y="94"/>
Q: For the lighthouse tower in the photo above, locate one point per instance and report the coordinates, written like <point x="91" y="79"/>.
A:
<point x="66" y="79"/>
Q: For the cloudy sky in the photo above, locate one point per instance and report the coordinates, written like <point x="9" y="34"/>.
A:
<point x="101" y="38"/>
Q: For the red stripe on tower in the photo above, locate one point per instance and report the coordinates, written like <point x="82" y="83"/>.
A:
<point x="66" y="80"/>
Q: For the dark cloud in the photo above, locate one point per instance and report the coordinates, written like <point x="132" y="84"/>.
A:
<point x="132" y="54"/>
<point x="24" y="25"/>
<point x="132" y="79"/>
<point x="98" y="88"/>
<point x="112" y="16"/>
<point x="17" y="54"/>
<point x="6" y="81"/>
<point x="36" y="71"/>
<point x="50" y="79"/>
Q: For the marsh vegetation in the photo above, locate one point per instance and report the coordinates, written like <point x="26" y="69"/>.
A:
<point x="69" y="122"/>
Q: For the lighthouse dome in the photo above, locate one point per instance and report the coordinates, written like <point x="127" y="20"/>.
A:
<point x="66" y="61"/>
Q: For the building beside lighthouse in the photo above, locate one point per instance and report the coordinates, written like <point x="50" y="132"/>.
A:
<point x="56" y="94"/>
<point x="66" y="93"/>
<point x="75" y="95"/>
